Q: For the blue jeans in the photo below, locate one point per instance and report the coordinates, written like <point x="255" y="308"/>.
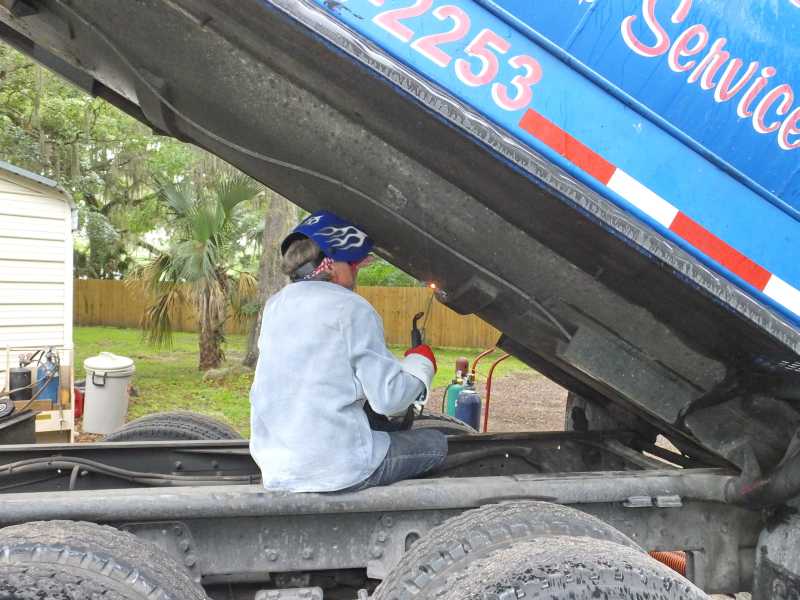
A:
<point x="411" y="453"/>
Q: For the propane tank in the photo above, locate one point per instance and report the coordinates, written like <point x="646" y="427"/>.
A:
<point x="455" y="387"/>
<point x="468" y="406"/>
<point x="48" y="369"/>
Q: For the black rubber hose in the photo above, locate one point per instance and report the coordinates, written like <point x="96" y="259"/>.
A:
<point x="460" y="459"/>
<point x="144" y="478"/>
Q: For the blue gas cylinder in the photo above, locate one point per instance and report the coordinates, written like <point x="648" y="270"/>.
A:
<point x="468" y="407"/>
<point x="50" y="391"/>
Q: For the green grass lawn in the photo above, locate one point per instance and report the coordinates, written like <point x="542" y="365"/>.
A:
<point x="168" y="379"/>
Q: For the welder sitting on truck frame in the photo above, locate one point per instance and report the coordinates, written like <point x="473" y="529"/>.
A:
<point x="322" y="356"/>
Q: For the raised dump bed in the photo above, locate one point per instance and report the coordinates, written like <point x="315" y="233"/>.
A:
<point x="612" y="184"/>
<point x="682" y="114"/>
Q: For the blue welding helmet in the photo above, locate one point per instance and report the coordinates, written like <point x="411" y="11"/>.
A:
<point x="338" y="239"/>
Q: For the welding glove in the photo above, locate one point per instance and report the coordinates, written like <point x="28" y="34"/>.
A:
<point x="420" y="362"/>
<point x="424" y="351"/>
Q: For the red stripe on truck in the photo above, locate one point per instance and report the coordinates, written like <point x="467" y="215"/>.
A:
<point x="660" y="209"/>
<point x="722" y="252"/>
<point x="567" y="146"/>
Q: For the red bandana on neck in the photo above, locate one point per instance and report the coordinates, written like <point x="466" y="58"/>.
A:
<point x="325" y="265"/>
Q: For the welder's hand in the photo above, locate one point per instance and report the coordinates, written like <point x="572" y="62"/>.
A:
<point x="425" y="351"/>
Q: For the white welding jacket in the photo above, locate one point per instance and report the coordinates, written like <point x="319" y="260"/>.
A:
<point x="322" y="354"/>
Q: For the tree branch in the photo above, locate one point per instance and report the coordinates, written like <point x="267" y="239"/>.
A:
<point x="147" y="246"/>
<point x="106" y="209"/>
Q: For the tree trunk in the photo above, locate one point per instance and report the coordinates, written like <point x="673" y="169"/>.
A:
<point x="278" y="222"/>
<point x="212" y="323"/>
<point x="210" y="352"/>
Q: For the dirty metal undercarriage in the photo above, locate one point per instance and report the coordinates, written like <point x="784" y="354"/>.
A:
<point x="198" y="503"/>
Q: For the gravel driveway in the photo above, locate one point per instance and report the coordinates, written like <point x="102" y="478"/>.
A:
<point x="522" y="402"/>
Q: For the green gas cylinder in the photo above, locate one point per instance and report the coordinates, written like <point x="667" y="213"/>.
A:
<point x="453" y="390"/>
<point x="455" y="387"/>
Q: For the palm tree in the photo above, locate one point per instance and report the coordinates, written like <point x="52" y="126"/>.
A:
<point x="210" y="238"/>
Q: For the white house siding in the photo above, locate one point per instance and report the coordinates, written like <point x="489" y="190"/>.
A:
<point x="35" y="267"/>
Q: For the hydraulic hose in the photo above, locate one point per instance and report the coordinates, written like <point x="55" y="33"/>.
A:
<point x="58" y="463"/>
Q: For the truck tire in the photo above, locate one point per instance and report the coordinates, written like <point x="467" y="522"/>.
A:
<point x="176" y="425"/>
<point x="566" y="568"/>
<point x="456" y="541"/>
<point x="68" y="560"/>
<point x="444" y="423"/>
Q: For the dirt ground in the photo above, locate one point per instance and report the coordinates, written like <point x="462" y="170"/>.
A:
<point x="521" y="402"/>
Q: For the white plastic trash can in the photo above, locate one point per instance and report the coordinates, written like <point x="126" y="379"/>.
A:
<point x="106" y="399"/>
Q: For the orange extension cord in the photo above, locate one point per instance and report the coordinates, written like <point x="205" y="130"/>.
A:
<point x="674" y="560"/>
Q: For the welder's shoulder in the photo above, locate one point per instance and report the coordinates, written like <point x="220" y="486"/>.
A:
<point x="280" y="299"/>
<point x="352" y="300"/>
<point x="353" y="307"/>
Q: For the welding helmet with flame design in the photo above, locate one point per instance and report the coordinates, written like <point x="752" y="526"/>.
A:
<point x="338" y="239"/>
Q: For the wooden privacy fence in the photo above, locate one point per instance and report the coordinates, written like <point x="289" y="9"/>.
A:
<point x="114" y="304"/>
<point x="444" y="327"/>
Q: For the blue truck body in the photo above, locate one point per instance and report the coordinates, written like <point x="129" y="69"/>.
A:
<point x="682" y="113"/>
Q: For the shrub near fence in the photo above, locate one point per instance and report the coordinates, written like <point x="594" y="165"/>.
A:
<point x="113" y="304"/>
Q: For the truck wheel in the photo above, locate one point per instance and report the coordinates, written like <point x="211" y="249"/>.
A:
<point x="455" y="542"/>
<point x="177" y="425"/>
<point x="446" y="424"/>
<point x="68" y="560"/>
<point x="566" y="568"/>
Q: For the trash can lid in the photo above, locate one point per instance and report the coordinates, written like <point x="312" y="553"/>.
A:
<point x="109" y="363"/>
